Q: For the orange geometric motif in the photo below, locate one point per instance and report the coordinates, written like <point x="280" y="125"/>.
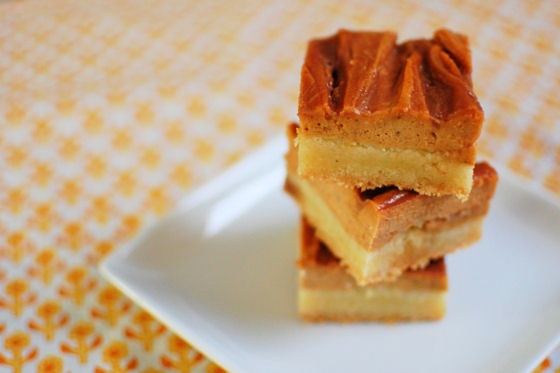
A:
<point x="69" y="148"/>
<point x="101" y="210"/>
<point x="126" y="183"/>
<point x="122" y="140"/>
<point x="204" y="150"/>
<point x="246" y="99"/>
<point x="196" y="107"/>
<point x="78" y="285"/>
<point x="70" y="191"/>
<point x="545" y="364"/>
<point x="101" y="250"/>
<point x="15" y="200"/>
<point x="150" y="157"/>
<point x="227" y="123"/>
<point x="116" y="97"/>
<point x="15" y="157"/>
<point x="552" y="182"/>
<point x="532" y="143"/>
<point x="113" y="355"/>
<point x="160" y="63"/>
<point x="113" y="305"/>
<point x="17" y="296"/>
<point x="17" y="85"/>
<point x="516" y="163"/>
<point x="74" y="236"/>
<point x="146" y="331"/>
<point x="50" y="364"/>
<point x="45" y="266"/>
<point x="277" y="116"/>
<point x="128" y="228"/>
<point x="82" y="334"/>
<point x="66" y="77"/>
<point x="17" y="246"/>
<point x="42" y="131"/>
<point x="41" y="67"/>
<point x="42" y="174"/>
<point x="144" y="114"/>
<point x="158" y="201"/>
<point x="182" y="45"/>
<point x="488" y="149"/>
<point x="44" y="218"/>
<point x="17" y="343"/>
<point x="255" y="138"/>
<point x="187" y="357"/>
<point x="96" y="166"/>
<point x="48" y="312"/>
<point x="15" y="114"/>
<point x="135" y="51"/>
<point x="181" y="175"/>
<point x="174" y="132"/>
<point x="93" y="123"/>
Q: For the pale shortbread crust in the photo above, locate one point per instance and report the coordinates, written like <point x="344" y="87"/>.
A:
<point x="379" y="303"/>
<point x="369" y="166"/>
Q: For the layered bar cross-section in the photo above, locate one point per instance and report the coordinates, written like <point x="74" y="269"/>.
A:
<point x="374" y="112"/>
<point x="379" y="233"/>
<point x="327" y="293"/>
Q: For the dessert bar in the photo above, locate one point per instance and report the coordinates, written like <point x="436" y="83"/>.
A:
<point x="378" y="233"/>
<point x="327" y="293"/>
<point x="377" y="113"/>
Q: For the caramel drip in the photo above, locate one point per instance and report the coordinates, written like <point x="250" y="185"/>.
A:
<point x="412" y="96"/>
<point x="320" y="53"/>
<point x="445" y="68"/>
<point x="369" y="62"/>
<point x="388" y="197"/>
<point x="458" y="47"/>
<point x="393" y="198"/>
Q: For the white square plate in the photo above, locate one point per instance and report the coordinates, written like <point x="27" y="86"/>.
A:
<point x="220" y="273"/>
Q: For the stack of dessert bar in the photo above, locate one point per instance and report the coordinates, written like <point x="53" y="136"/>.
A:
<point x="383" y="169"/>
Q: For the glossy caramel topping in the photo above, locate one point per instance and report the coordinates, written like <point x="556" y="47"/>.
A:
<point x="387" y="197"/>
<point x="368" y="73"/>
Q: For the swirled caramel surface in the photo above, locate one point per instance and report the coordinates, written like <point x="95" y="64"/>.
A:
<point x="368" y="72"/>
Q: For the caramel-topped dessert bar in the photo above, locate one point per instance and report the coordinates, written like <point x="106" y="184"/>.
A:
<point x="379" y="233"/>
<point x="377" y="113"/>
<point x="327" y="293"/>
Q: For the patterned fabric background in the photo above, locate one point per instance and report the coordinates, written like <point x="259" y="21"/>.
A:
<point x="112" y="110"/>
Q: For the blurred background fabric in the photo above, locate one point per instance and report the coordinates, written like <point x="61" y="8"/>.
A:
<point x="110" y="111"/>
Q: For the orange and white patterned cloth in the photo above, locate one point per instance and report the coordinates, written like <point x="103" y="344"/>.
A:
<point x="111" y="110"/>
